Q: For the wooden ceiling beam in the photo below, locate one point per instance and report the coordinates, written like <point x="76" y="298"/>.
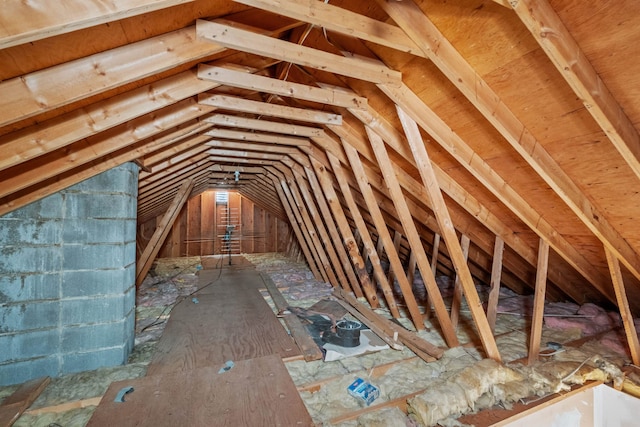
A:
<point x="241" y="161"/>
<point x="151" y="194"/>
<point x="160" y="177"/>
<point x="257" y="44"/>
<point x="231" y="103"/>
<point x="259" y="137"/>
<point x="99" y="117"/>
<point x="249" y="146"/>
<point x="441" y="52"/>
<point x="244" y="80"/>
<point x="565" y="53"/>
<point x="263" y="125"/>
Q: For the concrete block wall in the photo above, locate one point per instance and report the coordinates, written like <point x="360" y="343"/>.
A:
<point x="67" y="279"/>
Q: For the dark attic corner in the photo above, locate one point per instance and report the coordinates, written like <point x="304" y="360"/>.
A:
<point x="319" y="212"/>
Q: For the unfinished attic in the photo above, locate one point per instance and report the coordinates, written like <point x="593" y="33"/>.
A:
<point x="218" y="212"/>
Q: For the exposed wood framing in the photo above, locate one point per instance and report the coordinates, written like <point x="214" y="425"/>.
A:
<point x="263" y="125"/>
<point x="456" y="302"/>
<point x="538" y="303"/>
<point x="411" y="232"/>
<point x="449" y="234"/>
<point x="565" y="53"/>
<point x="494" y="291"/>
<point x="363" y="232"/>
<point x="248" y="41"/>
<point x="153" y="247"/>
<point x="387" y="241"/>
<point x="623" y="306"/>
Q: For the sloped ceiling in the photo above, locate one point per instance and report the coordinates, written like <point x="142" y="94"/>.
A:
<point x="528" y="111"/>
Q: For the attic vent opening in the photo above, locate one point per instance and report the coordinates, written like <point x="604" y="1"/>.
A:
<point x="222" y="197"/>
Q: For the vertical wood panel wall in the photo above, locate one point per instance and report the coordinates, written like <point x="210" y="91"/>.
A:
<point x="199" y="228"/>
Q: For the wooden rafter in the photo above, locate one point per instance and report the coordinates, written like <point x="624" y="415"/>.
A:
<point x="411" y="232"/>
<point x="449" y="234"/>
<point x="248" y="41"/>
<point x="565" y="53"/>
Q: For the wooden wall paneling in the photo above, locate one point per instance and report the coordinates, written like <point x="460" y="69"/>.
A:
<point x="496" y="274"/>
<point x="329" y="275"/>
<point x="456" y="302"/>
<point x="246" y="218"/>
<point x="538" y="303"/>
<point x="348" y="235"/>
<point x="194" y="232"/>
<point x="411" y="232"/>
<point x="259" y="230"/>
<point x="423" y="32"/>
<point x="269" y="238"/>
<point x="623" y="306"/>
<point x="321" y="226"/>
<point x="163" y="229"/>
<point x="279" y="185"/>
<point x="383" y="233"/>
<point x="208" y="222"/>
<point x="369" y="248"/>
<point x="448" y="233"/>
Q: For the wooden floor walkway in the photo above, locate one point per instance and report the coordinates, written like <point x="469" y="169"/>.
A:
<point x="227" y="320"/>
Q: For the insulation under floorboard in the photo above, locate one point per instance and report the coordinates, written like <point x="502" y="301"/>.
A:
<point x="328" y="400"/>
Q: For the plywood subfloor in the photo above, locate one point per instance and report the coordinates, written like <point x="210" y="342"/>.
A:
<point x="256" y="392"/>
<point x="227" y="319"/>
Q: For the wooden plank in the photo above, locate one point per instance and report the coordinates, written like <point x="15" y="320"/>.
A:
<point x="64" y="407"/>
<point x="153" y="247"/>
<point x="13" y="406"/>
<point x="421" y="347"/>
<point x="23" y="22"/>
<point x="232" y="103"/>
<point x="230" y="321"/>
<point x="449" y="234"/>
<point x="299" y="333"/>
<point x="316" y="191"/>
<point x="411" y="232"/>
<point x="348" y="237"/>
<point x="538" y="303"/>
<point x="263" y="125"/>
<point x="294" y="222"/>
<point x="570" y="60"/>
<point x="494" y="291"/>
<point x="363" y="232"/>
<point x="623" y="306"/>
<point x="456" y="302"/>
<point x="257" y="44"/>
<point x="259" y="137"/>
<point x="241" y="79"/>
<point x="252" y="393"/>
<point x="444" y="55"/>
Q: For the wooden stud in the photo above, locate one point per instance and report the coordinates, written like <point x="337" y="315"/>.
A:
<point x="153" y="247"/>
<point x="385" y="237"/>
<point x="449" y="234"/>
<point x="623" y="306"/>
<point x="538" y="303"/>
<point x="456" y="302"/>
<point x="494" y="291"/>
<point x="294" y="222"/>
<point x="348" y="237"/>
<point x="361" y="226"/>
<point x="411" y="232"/>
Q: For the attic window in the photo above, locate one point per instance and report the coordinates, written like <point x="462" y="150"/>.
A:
<point x="222" y="197"/>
